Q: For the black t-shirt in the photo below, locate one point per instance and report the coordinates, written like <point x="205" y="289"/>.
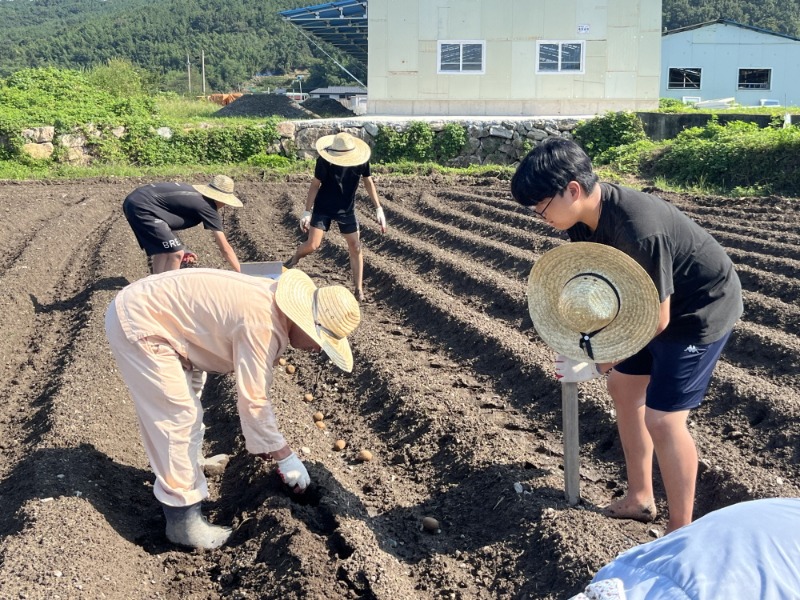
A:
<point x="179" y="205"/>
<point x="682" y="258"/>
<point x="337" y="194"/>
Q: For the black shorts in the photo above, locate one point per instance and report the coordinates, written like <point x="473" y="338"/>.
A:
<point x="347" y="222"/>
<point x="152" y="233"/>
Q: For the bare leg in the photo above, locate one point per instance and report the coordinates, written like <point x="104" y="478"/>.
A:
<point x="356" y="262"/>
<point x="168" y="261"/>
<point x="311" y="245"/>
<point x="677" y="461"/>
<point x="628" y="393"/>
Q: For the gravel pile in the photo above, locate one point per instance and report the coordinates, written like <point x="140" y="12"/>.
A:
<point x="327" y="108"/>
<point x="265" y="105"/>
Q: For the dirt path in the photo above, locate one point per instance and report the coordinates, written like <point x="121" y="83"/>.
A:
<point x="451" y="392"/>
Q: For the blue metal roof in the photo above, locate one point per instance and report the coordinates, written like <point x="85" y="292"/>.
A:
<point x="342" y="24"/>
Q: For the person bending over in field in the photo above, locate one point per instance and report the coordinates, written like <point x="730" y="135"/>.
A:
<point x="343" y="161"/>
<point x="233" y="323"/>
<point x="157" y="210"/>
<point x="700" y="301"/>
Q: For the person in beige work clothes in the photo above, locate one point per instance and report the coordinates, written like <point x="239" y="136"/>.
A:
<point x="163" y="327"/>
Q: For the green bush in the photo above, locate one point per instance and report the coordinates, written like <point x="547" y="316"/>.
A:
<point x="736" y="155"/>
<point x="449" y="142"/>
<point x="627" y="158"/>
<point x="608" y="131"/>
<point x="673" y="105"/>
<point x="418" y="143"/>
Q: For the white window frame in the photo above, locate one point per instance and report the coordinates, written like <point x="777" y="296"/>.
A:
<point x="560" y="43"/>
<point x="700" y="85"/>
<point x="753" y="89"/>
<point x="461" y="70"/>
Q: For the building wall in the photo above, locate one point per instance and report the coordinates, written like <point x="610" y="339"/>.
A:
<point x="622" y="56"/>
<point x="720" y="50"/>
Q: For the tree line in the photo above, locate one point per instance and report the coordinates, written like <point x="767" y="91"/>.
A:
<point x="240" y="38"/>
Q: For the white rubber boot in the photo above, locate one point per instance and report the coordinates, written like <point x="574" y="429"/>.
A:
<point x="186" y="526"/>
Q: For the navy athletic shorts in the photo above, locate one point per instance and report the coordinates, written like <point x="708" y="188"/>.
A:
<point x="347" y="222"/>
<point x="679" y="372"/>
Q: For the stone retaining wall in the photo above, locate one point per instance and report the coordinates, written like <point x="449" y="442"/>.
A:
<point x="502" y="141"/>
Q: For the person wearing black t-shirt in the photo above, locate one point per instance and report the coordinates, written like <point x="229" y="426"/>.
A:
<point x="157" y="210"/>
<point x="343" y="162"/>
<point x="701" y="300"/>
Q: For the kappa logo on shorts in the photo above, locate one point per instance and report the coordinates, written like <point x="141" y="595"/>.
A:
<point x="692" y="349"/>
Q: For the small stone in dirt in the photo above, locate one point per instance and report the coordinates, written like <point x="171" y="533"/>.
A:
<point x="308" y="397"/>
<point x="655" y="533"/>
<point x="364" y="455"/>
<point x="318" y="416"/>
<point x="305" y="450"/>
<point x="320" y="425"/>
<point x="339" y="445"/>
<point x="290" y="369"/>
<point x="281" y="361"/>
<point x="430" y="524"/>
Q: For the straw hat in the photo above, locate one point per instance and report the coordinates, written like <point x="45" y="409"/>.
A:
<point x="343" y="149"/>
<point x="327" y="314"/>
<point x="591" y="301"/>
<point x="221" y="190"/>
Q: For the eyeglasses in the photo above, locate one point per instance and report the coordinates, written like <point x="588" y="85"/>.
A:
<point x="544" y="210"/>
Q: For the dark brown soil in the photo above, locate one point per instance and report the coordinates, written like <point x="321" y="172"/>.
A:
<point x="327" y="108"/>
<point x="452" y="392"/>
<point x="265" y="105"/>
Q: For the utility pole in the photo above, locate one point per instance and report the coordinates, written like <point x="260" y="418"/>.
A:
<point x="189" y="72"/>
<point x="203" y="62"/>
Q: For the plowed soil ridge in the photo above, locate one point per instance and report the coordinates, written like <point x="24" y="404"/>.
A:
<point x="452" y="392"/>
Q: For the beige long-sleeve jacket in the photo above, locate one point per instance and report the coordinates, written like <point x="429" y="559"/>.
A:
<point x="220" y="322"/>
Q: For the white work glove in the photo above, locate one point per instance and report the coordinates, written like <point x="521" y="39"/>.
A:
<point x="381" y="218"/>
<point x="293" y="472"/>
<point x="305" y="221"/>
<point x="569" y="370"/>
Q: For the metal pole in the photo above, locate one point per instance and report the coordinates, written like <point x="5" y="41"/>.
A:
<point x="572" y="464"/>
<point x="189" y="73"/>
<point x="203" y="63"/>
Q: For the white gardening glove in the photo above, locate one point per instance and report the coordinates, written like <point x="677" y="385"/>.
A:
<point x="381" y="218"/>
<point x="293" y="472"/>
<point x="305" y="221"/>
<point x="569" y="370"/>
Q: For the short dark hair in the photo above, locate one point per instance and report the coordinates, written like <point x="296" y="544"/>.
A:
<point x="547" y="170"/>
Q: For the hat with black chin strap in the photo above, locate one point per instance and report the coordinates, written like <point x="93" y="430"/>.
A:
<point x="592" y="302"/>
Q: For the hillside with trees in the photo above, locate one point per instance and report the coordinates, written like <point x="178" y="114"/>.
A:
<point x="239" y="38"/>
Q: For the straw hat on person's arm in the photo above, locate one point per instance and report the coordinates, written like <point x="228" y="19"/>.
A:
<point x="592" y="302"/>
<point x="327" y="314"/>
<point x="343" y="149"/>
<point x="220" y="189"/>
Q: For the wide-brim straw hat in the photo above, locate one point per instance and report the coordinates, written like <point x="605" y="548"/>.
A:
<point x="343" y="149"/>
<point x="592" y="302"/>
<point x="221" y="190"/>
<point x="327" y="314"/>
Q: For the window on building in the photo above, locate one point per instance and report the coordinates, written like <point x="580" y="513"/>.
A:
<point x="560" y="57"/>
<point x="684" y="79"/>
<point x="461" y="57"/>
<point x="755" y="79"/>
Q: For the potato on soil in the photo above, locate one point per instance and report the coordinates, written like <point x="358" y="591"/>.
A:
<point x="364" y="455"/>
<point x="339" y="445"/>
<point x="308" y="397"/>
<point x="281" y="361"/>
<point x="318" y="416"/>
<point x="320" y="425"/>
<point x="290" y="369"/>
<point x="430" y="524"/>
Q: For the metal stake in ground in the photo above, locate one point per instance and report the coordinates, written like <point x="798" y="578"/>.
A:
<point x="572" y="464"/>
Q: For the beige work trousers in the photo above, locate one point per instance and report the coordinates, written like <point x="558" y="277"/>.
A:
<point x="167" y="402"/>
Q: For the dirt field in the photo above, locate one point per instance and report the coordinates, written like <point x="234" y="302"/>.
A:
<point x="452" y="393"/>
